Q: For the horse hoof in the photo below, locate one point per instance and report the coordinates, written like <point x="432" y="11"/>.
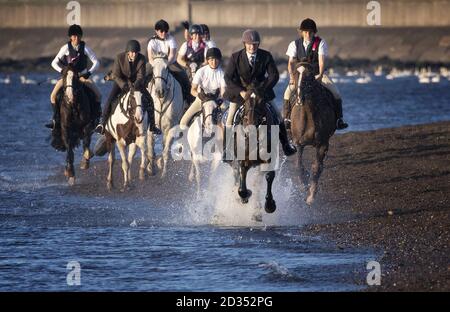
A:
<point x="151" y="170"/>
<point x="109" y="185"/>
<point x="163" y="174"/>
<point x="66" y="173"/>
<point x="84" y="164"/>
<point x="71" y="181"/>
<point x="270" y="206"/>
<point x="244" y="195"/>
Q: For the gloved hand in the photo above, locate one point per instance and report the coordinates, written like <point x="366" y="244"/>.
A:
<point x="126" y="88"/>
<point x="86" y="75"/>
<point x="202" y="96"/>
<point x="185" y="24"/>
<point x="219" y="102"/>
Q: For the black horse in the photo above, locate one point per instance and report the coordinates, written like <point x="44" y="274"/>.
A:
<point x="77" y="119"/>
<point x="255" y="114"/>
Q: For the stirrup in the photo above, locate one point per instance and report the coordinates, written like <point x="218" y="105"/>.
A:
<point x="100" y="129"/>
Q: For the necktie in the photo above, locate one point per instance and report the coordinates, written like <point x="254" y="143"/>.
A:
<point x="252" y="60"/>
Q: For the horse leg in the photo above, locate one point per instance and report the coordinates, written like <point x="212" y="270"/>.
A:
<point x="70" y="171"/>
<point x="87" y="153"/>
<point x="121" y="145"/>
<point x="243" y="192"/>
<point x="165" y="155"/>
<point x="150" y="153"/>
<point x="197" y="177"/>
<point x="140" y="142"/>
<point x="131" y="152"/>
<point x="111" y="159"/>
<point x="270" y="204"/>
<point x="317" y="167"/>
<point x="302" y="172"/>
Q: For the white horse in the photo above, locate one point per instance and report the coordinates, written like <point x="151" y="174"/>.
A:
<point x="203" y="126"/>
<point x="126" y="125"/>
<point x="168" y="103"/>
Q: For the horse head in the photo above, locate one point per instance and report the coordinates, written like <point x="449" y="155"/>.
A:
<point x="254" y="103"/>
<point x="210" y="113"/>
<point x="134" y="105"/>
<point x="70" y="82"/>
<point x="160" y="75"/>
<point x="306" y="80"/>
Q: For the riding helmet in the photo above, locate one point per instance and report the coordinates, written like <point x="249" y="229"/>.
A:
<point x="195" y="29"/>
<point x="205" y="28"/>
<point x="251" y="36"/>
<point x="133" y="46"/>
<point x="214" y="53"/>
<point x="162" y="25"/>
<point x="75" y="30"/>
<point x="308" y="25"/>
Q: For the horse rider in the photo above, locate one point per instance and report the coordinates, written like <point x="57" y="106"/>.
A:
<point x="206" y="35"/>
<point x="315" y="50"/>
<point x="245" y="67"/>
<point x="192" y="52"/>
<point x="208" y="84"/>
<point x="129" y="74"/>
<point x="163" y="43"/>
<point x="77" y="53"/>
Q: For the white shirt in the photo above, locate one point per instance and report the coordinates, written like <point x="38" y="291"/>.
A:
<point x="64" y="51"/>
<point x="209" y="80"/>
<point x="162" y="46"/>
<point x="183" y="48"/>
<point x="292" y="50"/>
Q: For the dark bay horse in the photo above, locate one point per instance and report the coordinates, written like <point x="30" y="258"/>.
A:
<point x="313" y="123"/>
<point x="254" y="114"/>
<point x="76" y="120"/>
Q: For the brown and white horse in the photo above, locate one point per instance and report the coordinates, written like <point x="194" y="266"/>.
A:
<point x="126" y="126"/>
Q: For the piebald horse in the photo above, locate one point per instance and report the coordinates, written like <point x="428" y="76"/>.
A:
<point x="203" y="126"/>
<point x="168" y="102"/>
<point x="313" y="123"/>
<point x="76" y="120"/>
<point x="126" y="127"/>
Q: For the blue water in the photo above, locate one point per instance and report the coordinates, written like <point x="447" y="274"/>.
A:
<point x="166" y="240"/>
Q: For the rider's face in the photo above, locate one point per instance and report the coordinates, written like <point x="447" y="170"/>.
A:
<point x="195" y="37"/>
<point x="213" y="62"/>
<point x="75" y="40"/>
<point x="251" y="47"/>
<point x="307" y="34"/>
<point x="161" y="34"/>
<point x="131" y="55"/>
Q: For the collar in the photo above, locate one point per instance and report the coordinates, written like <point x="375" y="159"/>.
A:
<point x="250" y="54"/>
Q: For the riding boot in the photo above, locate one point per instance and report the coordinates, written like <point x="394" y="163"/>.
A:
<point x="288" y="148"/>
<point x="56" y="141"/>
<point x="151" y="121"/>
<point x="340" y="124"/>
<point x="55" y="118"/>
<point x="287" y="113"/>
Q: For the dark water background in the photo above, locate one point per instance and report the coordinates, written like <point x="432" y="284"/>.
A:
<point x="124" y="244"/>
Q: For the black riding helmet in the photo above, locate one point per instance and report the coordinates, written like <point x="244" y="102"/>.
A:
<point x="75" y="30"/>
<point x="205" y="28"/>
<point x="195" y="29"/>
<point x="214" y="53"/>
<point x="162" y="25"/>
<point x="133" y="46"/>
<point x="308" y="25"/>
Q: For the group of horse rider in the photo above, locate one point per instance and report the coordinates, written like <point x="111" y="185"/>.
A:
<point x="199" y="57"/>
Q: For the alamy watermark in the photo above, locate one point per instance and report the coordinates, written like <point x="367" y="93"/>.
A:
<point x="374" y="276"/>
<point x="374" y="16"/>
<point x="74" y="15"/>
<point x="73" y="277"/>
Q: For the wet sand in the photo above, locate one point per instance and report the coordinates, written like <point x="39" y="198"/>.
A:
<point x="390" y="189"/>
<point x="386" y="189"/>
